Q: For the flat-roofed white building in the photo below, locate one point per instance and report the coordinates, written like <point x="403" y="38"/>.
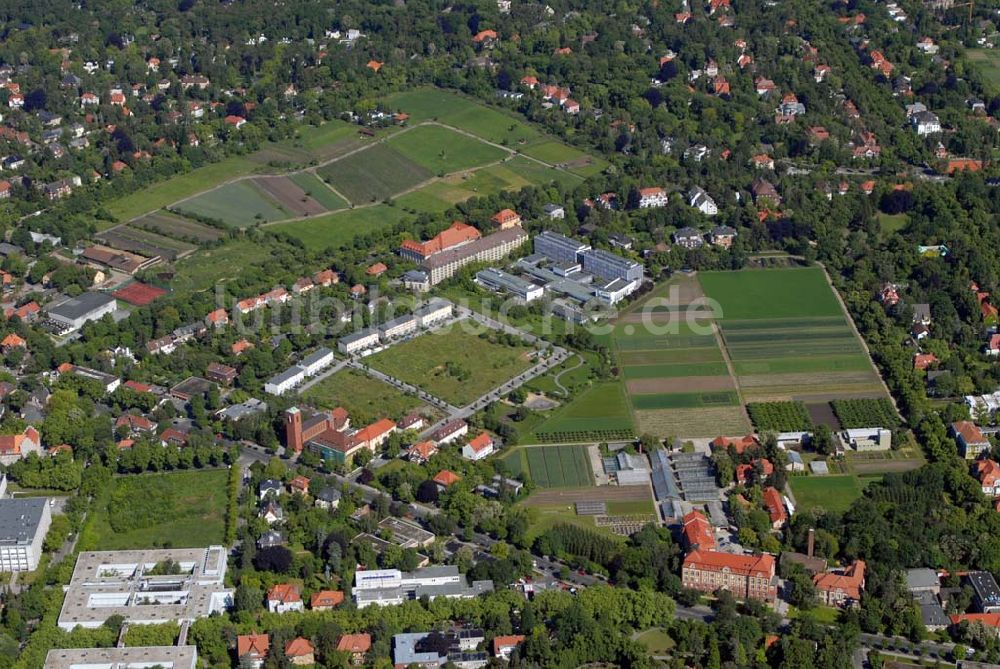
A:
<point x="317" y="361"/>
<point x="435" y="311"/>
<point x="387" y="587"/>
<point x="279" y="384"/>
<point x="125" y="583"/>
<point x="398" y="327"/>
<point x="139" y="657"/>
<point x="866" y="439"/>
<point x="500" y="281"/>
<point x="358" y="341"/>
<point x="23" y="526"/>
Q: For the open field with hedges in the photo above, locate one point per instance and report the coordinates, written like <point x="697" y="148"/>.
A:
<point x="366" y="399"/>
<point x="239" y="205"/>
<point x="599" y="413"/>
<point x="457" y="367"/>
<point x="562" y="466"/>
<point x="340" y="228"/>
<point x="184" y="509"/>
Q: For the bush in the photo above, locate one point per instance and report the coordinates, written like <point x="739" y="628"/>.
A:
<point x="866" y="413"/>
<point x="140" y="503"/>
<point x="779" y="416"/>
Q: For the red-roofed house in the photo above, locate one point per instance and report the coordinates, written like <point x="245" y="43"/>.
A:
<point x="993" y="345"/>
<point x="241" y="346"/>
<point x="378" y="269"/>
<point x="924" y="360"/>
<point x="741" y="444"/>
<point x="841" y="588"/>
<point x="251" y="649"/>
<point x="745" y="576"/>
<point x="422" y="451"/>
<point x="745" y="472"/>
<point x="503" y="646"/>
<point x="478" y="447"/>
<point x="136" y="424"/>
<point x="357" y="645"/>
<point x="235" y="121"/>
<point x="446" y="478"/>
<point x="505" y="219"/>
<point x="971" y="441"/>
<point x="300" y="485"/>
<point x="485" y="39"/>
<point x="326" y="277"/>
<point x="652" y="197"/>
<point x="374" y="65"/>
<point x="300" y="651"/>
<point x="986" y="619"/>
<point x="325" y="600"/>
<point x="697" y="532"/>
<point x="13" y="447"/>
<point x="456" y="234"/>
<point x="988" y="473"/>
<point x="12" y="341"/>
<point x="529" y="81"/>
<point x="218" y="318"/>
<point x="284" y="597"/>
<point x="775" y="507"/>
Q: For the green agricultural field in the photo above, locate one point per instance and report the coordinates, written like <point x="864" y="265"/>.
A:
<point x="568" y="157"/>
<point x="470" y="115"/>
<point x="365" y="398"/>
<point x="238" y="204"/>
<point x="834" y="494"/>
<point x="774" y="293"/>
<point x="202" y="270"/>
<point x="443" y="151"/>
<point x="373" y="175"/>
<point x="684" y="400"/>
<point x="183" y="509"/>
<point x="340" y="228"/>
<point x="675" y="370"/>
<point x="319" y="191"/>
<point x="793" y="365"/>
<point x="988" y="63"/>
<point x="456" y="366"/>
<point x="598" y="413"/>
<point x="563" y="466"/>
<point x="164" y="193"/>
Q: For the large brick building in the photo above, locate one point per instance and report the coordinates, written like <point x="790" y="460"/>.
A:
<point x="329" y="434"/>
<point x="841" y="588"/>
<point x="745" y="576"/>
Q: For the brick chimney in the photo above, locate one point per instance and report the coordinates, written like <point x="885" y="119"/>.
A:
<point x="811" y="542"/>
<point x="293" y="429"/>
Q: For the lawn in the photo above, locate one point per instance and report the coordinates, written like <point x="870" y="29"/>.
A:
<point x="455" y="366"/>
<point x="373" y="175"/>
<point x="340" y="228"/>
<point x="656" y="640"/>
<point x="470" y="115"/>
<point x="237" y="204"/>
<point x="443" y="151"/>
<point x="834" y="494"/>
<point x="774" y="293"/>
<point x="988" y="63"/>
<point x="365" y="398"/>
<point x="319" y="191"/>
<point x="181" y="509"/>
<point x="600" y="412"/>
<point x="202" y="270"/>
<point x="560" y="466"/>
<point x="159" y="195"/>
<point x="890" y="223"/>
